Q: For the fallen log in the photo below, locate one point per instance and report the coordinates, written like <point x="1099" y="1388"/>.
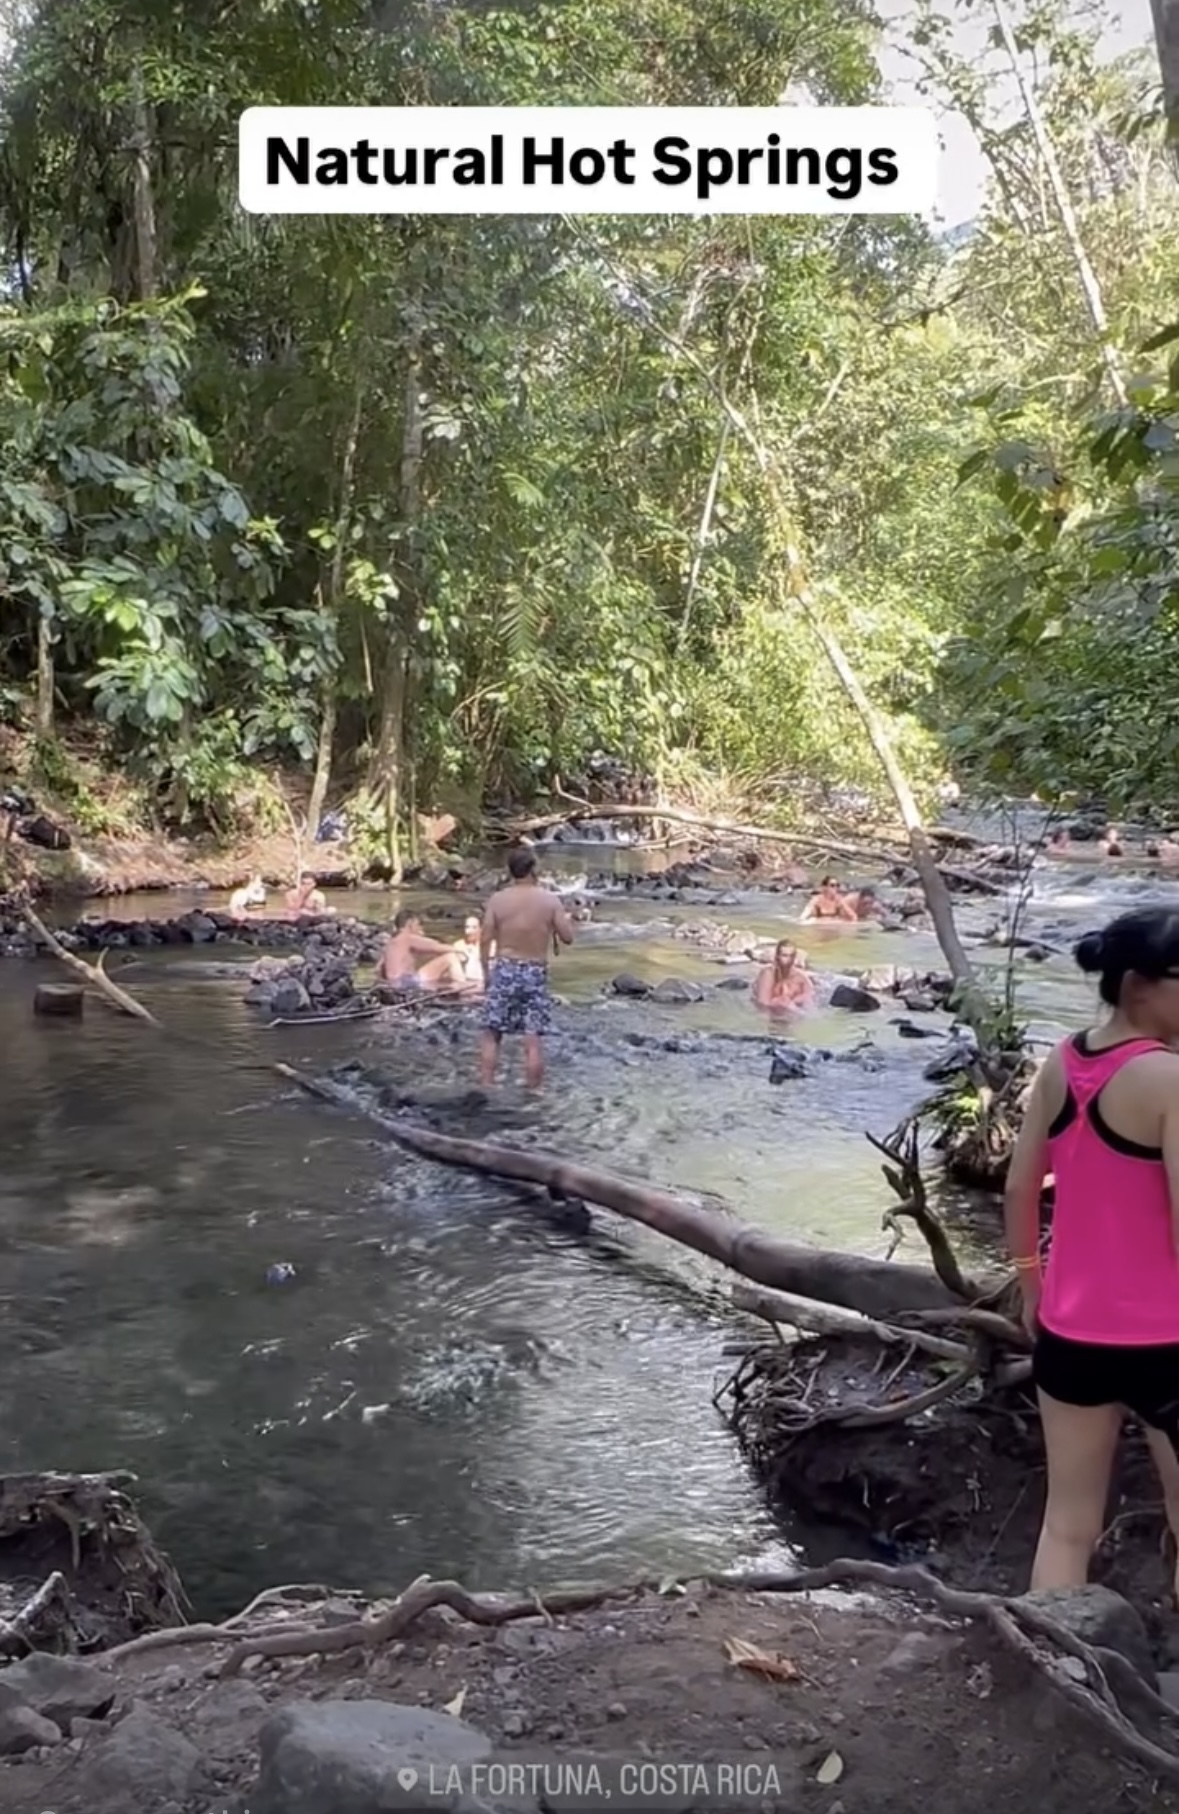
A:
<point x="878" y="1288"/>
<point x="94" y="974"/>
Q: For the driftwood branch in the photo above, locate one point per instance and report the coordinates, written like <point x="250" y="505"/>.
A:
<point x="828" y="1319"/>
<point x="94" y="974"/>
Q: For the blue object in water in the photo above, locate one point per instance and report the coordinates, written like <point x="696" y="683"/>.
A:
<point x="280" y="1274"/>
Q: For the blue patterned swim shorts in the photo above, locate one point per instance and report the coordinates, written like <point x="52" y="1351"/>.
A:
<point x="517" y="999"/>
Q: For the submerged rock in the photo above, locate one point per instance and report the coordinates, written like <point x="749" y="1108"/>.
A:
<point x="673" y="989"/>
<point x="635" y="987"/>
<point x="855" y="1000"/>
<point x="789" y="1063"/>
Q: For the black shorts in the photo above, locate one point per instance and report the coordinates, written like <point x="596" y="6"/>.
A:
<point x="1144" y="1380"/>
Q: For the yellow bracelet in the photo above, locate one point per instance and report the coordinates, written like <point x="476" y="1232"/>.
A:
<point x="1031" y="1265"/>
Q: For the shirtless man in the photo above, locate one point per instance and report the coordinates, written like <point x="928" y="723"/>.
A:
<point x="305" y="897"/>
<point x="866" y="904"/>
<point x="250" y="899"/>
<point x="784" y="986"/>
<point x="828" y="903"/>
<point x="407" y="943"/>
<point x="523" y="923"/>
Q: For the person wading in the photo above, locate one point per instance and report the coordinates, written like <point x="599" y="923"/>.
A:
<point x="522" y="924"/>
<point x="1103" y="1118"/>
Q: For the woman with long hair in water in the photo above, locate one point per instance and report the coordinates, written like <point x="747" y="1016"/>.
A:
<point x="783" y="986"/>
<point x="1103" y="1119"/>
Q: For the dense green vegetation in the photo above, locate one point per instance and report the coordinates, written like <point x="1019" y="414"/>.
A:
<point x="435" y="508"/>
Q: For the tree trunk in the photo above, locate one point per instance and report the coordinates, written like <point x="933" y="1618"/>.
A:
<point x="322" y="777"/>
<point x="143" y="203"/>
<point x="1090" y="287"/>
<point x="702" y="534"/>
<point x="876" y="1288"/>
<point x="46" y="678"/>
<point x="1166" y="33"/>
<point x="387" y="775"/>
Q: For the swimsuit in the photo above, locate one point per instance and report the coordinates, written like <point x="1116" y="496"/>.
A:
<point x="410" y="980"/>
<point x="1109" y="1312"/>
<point x="517" y="998"/>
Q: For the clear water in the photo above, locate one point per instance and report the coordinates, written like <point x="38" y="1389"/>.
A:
<point x="456" y="1380"/>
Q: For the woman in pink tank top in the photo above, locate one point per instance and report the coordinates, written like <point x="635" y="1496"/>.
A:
<point x="1103" y="1119"/>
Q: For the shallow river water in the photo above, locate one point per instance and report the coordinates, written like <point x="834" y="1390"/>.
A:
<point x="454" y="1381"/>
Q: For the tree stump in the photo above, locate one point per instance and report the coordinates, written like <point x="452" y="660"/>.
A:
<point x="65" y="1000"/>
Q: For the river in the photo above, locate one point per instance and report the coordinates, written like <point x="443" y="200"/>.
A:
<point x="453" y="1381"/>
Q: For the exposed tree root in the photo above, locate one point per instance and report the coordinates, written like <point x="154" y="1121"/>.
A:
<point x="1109" y="1684"/>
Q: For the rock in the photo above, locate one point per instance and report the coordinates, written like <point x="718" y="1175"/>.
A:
<point x="261" y="995"/>
<point x="289" y="997"/>
<point x="61" y="1688"/>
<point x="917" y="1003"/>
<point x="23" y="1729"/>
<point x="1169" y="1687"/>
<point x="359" y="1757"/>
<point x="788" y="1063"/>
<point x="672" y="989"/>
<point x="630" y="985"/>
<point x="733" y="982"/>
<point x="198" y="928"/>
<point x="855" y="1000"/>
<point x="145" y="1761"/>
<point x="1098" y="1616"/>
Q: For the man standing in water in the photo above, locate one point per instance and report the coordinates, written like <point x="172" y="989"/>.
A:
<point x="522" y="925"/>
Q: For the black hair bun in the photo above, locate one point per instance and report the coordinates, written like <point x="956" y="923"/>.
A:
<point x="1091" y="952"/>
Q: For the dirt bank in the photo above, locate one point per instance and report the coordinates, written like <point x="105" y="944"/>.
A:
<point x="887" y="1709"/>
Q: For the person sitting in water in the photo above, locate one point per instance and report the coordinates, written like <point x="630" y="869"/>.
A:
<point x="783" y="986"/>
<point x="866" y="904"/>
<point x="1059" y="844"/>
<point x="406" y="944"/>
<point x="469" y="954"/>
<point x="829" y="903"/>
<point x="1111" y="844"/>
<point x="250" y="899"/>
<point x="305" y="897"/>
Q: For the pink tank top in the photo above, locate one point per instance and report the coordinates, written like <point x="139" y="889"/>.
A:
<point x="1113" y="1274"/>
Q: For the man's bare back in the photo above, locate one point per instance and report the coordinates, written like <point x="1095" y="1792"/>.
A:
<point x="523" y="921"/>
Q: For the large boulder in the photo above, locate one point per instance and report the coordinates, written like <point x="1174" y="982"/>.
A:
<point x="361" y="1757"/>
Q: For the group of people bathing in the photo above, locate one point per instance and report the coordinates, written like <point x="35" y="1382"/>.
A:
<point x="1159" y="850"/>
<point x="303" y="899"/>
